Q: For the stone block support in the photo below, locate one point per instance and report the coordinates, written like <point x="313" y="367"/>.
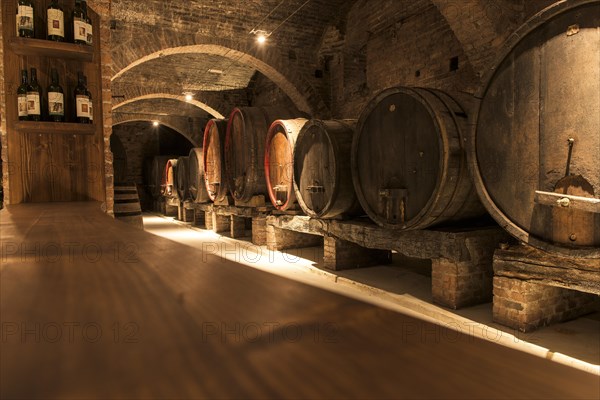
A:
<point x="457" y="284"/>
<point x="527" y="305"/>
<point x="199" y="218"/>
<point x="237" y="226"/>
<point x="259" y="230"/>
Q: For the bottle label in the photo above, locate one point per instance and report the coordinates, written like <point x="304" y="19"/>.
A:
<point x="22" y="101"/>
<point x="90" y="34"/>
<point x="56" y="25"/>
<point x="25" y="18"/>
<point x="33" y="103"/>
<point x="91" y="111"/>
<point x="79" y="30"/>
<point x="56" y="103"/>
<point x="83" y="106"/>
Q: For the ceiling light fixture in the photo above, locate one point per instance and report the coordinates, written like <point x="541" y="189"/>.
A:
<point x="261" y="36"/>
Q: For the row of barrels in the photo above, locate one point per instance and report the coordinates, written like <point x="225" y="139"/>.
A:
<point x="413" y="160"/>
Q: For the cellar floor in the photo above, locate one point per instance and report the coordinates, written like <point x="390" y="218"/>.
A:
<point x="404" y="286"/>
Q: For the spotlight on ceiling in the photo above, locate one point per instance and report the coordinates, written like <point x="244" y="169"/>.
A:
<point x="155" y="123"/>
<point x="188" y="97"/>
<point x="261" y="36"/>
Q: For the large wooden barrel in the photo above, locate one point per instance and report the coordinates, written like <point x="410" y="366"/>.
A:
<point x="195" y="179"/>
<point x="154" y="179"/>
<point x="408" y="163"/>
<point x="213" y="150"/>
<point x="170" y="179"/>
<point x="535" y="151"/>
<point x="279" y="150"/>
<point x="322" y="173"/>
<point x="183" y="192"/>
<point x="245" y="148"/>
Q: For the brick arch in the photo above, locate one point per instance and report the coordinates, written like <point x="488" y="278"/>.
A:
<point x="119" y="119"/>
<point x="194" y="102"/>
<point x="296" y="88"/>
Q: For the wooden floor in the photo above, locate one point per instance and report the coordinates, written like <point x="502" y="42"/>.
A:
<point x="93" y="308"/>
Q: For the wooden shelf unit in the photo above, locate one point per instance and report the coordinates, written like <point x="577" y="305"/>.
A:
<point x="73" y="152"/>
<point x="66" y="128"/>
<point x="47" y="48"/>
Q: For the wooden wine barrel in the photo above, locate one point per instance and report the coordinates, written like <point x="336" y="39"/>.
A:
<point x="154" y="179"/>
<point x="213" y="149"/>
<point x="127" y="206"/>
<point x="245" y="148"/>
<point x="195" y="179"/>
<point x="535" y="151"/>
<point x="183" y="192"/>
<point x="170" y="179"/>
<point x="279" y="172"/>
<point x="322" y="174"/>
<point x="408" y="163"/>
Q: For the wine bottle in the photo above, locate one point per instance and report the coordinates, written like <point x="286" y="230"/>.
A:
<point x="22" y="96"/>
<point x="90" y="101"/>
<point x="79" y="24"/>
<point x="56" y="99"/>
<point x="56" y="22"/>
<point x="25" y="19"/>
<point x="88" y="23"/>
<point x="82" y="101"/>
<point x="34" y="98"/>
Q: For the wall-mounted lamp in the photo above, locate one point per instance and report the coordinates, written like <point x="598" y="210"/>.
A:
<point x="155" y="123"/>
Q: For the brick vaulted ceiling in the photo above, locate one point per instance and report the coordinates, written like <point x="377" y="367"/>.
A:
<point x="205" y="47"/>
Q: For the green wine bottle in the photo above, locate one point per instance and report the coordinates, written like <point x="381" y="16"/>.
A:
<point x="25" y="19"/>
<point x="88" y="24"/>
<point x="90" y="101"/>
<point x="56" y="22"/>
<point x="82" y="101"/>
<point x="34" y="98"/>
<point x="22" y="96"/>
<point x="56" y="99"/>
<point x="79" y="24"/>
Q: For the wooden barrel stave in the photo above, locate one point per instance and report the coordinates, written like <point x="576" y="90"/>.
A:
<point x="322" y="170"/>
<point x="408" y="163"/>
<point x="245" y="146"/>
<point x="213" y="148"/>
<point x="196" y="187"/>
<point x="279" y="173"/>
<point x="533" y="102"/>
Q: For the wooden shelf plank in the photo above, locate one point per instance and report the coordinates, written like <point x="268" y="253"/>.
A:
<point x="48" y="48"/>
<point x="68" y="128"/>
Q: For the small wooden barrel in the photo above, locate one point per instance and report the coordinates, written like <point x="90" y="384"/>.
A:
<point x="155" y="176"/>
<point x="245" y="149"/>
<point x="535" y="152"/>
<point x="195" y="179"/>
<point x="183" y="192"/>
<point x="322" y="174"/>
<point x="170" y="179"/>
<point x="213" y="149"/>
<point x="127" y="204"/>
<point x="408" y="163"/>
<point x="279" y="172"/>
